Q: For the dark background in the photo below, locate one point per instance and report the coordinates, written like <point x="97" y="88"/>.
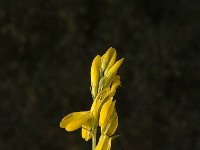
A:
<point x="46" y="50"/>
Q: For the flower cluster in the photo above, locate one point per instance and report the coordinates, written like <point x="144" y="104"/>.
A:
<point x="104" y="82"/>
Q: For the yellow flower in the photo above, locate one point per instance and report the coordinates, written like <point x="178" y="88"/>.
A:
<point x="104" y="82"/>
<point x="75" y="120"/>
<point x="106" y="111"/>
<point x="104" y="143"/>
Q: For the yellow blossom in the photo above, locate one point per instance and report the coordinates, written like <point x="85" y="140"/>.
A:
<point x="104" y="82"/>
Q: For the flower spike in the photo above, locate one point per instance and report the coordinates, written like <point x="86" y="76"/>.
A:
<point x="104" y="83"/>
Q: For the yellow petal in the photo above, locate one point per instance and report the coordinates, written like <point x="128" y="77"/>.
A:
<point x="86" y="133"/>
<point x="104" y="143"/>
<point x="75" y="120"/>
<point x="95" y="74"/>
<point x="106" y="111"/>
<point x="106" y="58"/>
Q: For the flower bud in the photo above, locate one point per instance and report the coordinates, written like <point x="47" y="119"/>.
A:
<point x="95" y="74"/>
<point x="111" y="61"/>
<point x="105" y="59"/>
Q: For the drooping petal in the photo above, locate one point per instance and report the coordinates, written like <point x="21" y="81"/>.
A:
<point x="87" y="129"/>
<point x="75" y="120"/>
<point x="104" y="143"/>
<point x="106" y="111"/>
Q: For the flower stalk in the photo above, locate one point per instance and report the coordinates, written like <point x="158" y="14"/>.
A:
<point x="94" y="138"/>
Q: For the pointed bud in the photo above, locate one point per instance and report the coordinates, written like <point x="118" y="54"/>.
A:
<point x="111" y="61"/>
<point x="105" y="59"/>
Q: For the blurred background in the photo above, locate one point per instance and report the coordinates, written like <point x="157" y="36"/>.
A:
<point x="46" y="50"/>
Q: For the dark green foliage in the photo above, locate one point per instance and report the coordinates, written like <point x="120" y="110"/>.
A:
<point x="46" y="49"/>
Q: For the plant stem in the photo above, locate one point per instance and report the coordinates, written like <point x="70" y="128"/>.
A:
<point x="94" y="138"/>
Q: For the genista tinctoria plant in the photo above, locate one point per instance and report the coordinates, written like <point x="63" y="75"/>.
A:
<point x="104" y="82"/>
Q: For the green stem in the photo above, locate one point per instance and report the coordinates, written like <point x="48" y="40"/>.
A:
<point x="94" y="138"/>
